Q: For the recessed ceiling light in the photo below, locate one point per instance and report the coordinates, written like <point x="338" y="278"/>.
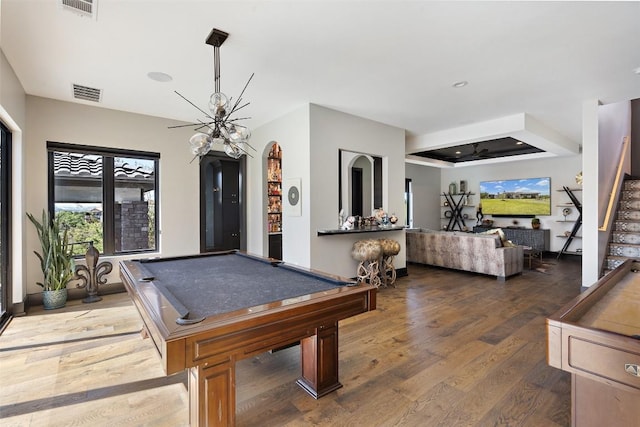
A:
<point x="458" y="152"/>
<point x="159" y="77"/>
<point x="519" y="143"/>
<point x="460" y="84"/>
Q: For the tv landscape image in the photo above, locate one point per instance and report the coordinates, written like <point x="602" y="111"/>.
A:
<point x="516" y="197"/>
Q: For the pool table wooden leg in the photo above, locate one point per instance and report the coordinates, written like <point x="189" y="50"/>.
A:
<point x="212" y="395"/>
<point x="320" y="361"/>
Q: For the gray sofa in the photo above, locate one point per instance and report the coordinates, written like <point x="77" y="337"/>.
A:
<point x="479" y="253"/>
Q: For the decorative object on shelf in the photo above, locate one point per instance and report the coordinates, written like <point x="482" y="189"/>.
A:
<point x="445" y="204"/>
<point x="349" y="223"/>
<point x="487" y="223"/>
<point x="463" y="186"/>
<point x="479" y="214"/>
<point x="219" y="126"/>
<point x="379" y="215"/>
<point x="340" y="218"/>
<point x="535" y="223"/>
<point x="448" y="214"/>
<point x="566" y="212"/>
<point x="274" y="196"/>
<point x="393" y="218"/>
<point x="579" y="178"/>
<point x="56" y="260"/>
<point x="92" y="274"/>
<point x="465" y="216"/>
<point x="452" y="188"/>
<point x="567" y="233"/>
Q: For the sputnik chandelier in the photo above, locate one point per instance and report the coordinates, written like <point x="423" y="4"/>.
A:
<point x="219" y="127"/>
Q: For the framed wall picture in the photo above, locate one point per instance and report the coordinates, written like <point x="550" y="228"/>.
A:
<point x="463" y="186"/>
<point x="293" y="205"/>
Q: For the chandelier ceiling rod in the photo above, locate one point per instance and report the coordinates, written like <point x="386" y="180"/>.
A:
<point x="216" y="38"/>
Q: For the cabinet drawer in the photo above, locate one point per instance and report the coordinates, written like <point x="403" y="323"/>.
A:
<point x="603" y="361"/>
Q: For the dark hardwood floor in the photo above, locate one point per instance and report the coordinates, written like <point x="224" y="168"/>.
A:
<point x="444" y="348"/>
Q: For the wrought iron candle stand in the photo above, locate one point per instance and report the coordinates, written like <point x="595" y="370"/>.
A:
<point x="92" y="274"/>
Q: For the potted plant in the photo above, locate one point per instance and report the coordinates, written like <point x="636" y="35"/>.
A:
<point x="535" y="223"/>
<point x="56" y="260"/>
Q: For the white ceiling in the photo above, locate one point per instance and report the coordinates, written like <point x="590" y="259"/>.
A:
<point x="389" y="61"/>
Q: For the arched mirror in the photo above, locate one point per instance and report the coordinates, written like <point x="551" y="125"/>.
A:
<point x="359" y="182"/>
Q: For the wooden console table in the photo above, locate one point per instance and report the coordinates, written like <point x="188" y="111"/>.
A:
<point x="535" y="239"/>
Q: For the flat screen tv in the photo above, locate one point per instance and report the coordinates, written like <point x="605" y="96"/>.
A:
<point x="523" y="198"/>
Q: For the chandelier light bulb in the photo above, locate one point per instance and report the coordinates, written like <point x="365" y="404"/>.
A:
<point x="218" y="104"/>
<point x="200" y="143"/>
<point x="242" y="133"/>
<point x="233" y="150"/>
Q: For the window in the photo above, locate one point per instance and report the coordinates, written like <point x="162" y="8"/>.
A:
<point x="103" y="195"/>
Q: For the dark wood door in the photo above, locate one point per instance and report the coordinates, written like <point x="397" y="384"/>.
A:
<point x="221" y="204"/>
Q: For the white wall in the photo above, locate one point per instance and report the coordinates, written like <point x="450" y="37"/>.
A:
<point x="590" y="240"/>
<point x="179" y="215"/>
<point x="614" y="124"/>
<point x="13" y="112"/>
<point x="426" y="195"/>
<point x="291" y="132"/>
<point x="332" y="130"/>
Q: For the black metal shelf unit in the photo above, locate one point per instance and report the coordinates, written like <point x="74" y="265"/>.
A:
<point x="576" y="226"/>
<point x="456" y="203"/>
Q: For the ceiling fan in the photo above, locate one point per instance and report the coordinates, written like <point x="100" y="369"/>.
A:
<point x="477" y="154"/>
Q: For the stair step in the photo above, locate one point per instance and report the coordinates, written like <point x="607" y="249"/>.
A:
<point x="612" y="261"/>
<point x="629" y="204"/>
<point x="630" y="194"/>
<point x="629" y="226"/>
<point x="624" y="250"/>
<point x="625" y="237"/>
<point x="632" y="184"/>
<point x="628" y="215"/>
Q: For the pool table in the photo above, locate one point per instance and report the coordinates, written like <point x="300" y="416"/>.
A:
<point x="204" y="312"/>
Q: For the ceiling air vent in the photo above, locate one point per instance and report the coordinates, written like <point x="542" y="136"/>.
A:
<point x="86" y="93"/>
<point x="81" y="7"/>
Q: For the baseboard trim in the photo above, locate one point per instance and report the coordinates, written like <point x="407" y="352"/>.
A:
<point x="75" y="293"/>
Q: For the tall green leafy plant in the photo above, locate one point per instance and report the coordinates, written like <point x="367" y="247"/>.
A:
<point x="56" y="259"/>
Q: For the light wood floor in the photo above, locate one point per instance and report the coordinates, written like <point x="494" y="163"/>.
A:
<point x="444" y="348"/>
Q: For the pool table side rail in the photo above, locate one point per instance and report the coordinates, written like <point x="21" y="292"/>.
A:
<point x="255" y="335"/>
<point x="243" y="332"/>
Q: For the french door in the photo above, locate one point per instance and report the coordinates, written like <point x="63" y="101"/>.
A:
<point x="5" y="225"/>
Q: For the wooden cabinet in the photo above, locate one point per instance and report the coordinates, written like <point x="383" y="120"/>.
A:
<point x="595" y="338"/>
<point x="274" y="201"/>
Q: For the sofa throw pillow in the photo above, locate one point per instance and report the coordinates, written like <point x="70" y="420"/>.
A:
<point x="503" y="239"/>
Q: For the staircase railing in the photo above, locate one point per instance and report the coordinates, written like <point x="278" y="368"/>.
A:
<point x="617" y="185"/>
